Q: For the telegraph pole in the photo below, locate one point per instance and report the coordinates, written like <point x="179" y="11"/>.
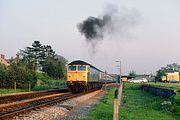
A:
<point x="120" y="83"/>
<point x="119" y="71"/>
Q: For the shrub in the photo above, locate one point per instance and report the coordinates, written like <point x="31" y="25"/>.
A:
<point x="21" y="75"/>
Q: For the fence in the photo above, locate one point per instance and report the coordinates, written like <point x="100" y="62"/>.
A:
<point x="28" y="86"/>
<point x="15" y="85"/>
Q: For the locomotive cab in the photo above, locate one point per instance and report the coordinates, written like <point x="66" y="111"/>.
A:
<point x="82" y="76"/>
<point x="77" y="77"/>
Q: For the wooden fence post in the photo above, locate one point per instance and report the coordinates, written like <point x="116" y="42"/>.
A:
<point x="120" y="93"/>
<point x="29" y="86"/>
<point x="15" y="85"/>
<point x="116" y="105"/>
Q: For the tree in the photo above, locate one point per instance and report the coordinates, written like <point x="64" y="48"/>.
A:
<point x="3" y="72"/>
<point x="43" y="58"/>
<point x="172" y="67"/>
<point x="169" y="68"/>
<point x="132" y="74"/>
<point x="63" y="61"/>
<point x="20" y="74"/>
<point x="47" y="53"/>
<point x="36" y="49"/>
<point x="53" y="68"/>
<point x="32" y="55"/>
<point x="160" y="74"/>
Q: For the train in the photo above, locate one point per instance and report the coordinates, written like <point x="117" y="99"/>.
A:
<point x="82" y="76"/>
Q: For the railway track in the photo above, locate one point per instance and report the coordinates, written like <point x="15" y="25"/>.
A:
<point x="9" y="111"/>
<point x="24" y="96"/>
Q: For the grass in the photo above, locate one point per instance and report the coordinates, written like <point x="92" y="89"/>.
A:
<point x="176" y="98"/>
<point x="40" y="85"/>
<point x="47" y="84"/>
<point x="176" y="104"/>
<point x="167" y="85"/>
<point x="137" y="105"/>
<point x="103" y="111"/>
<point x="8" y="91"/>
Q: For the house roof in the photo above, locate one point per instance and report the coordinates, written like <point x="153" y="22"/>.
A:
<point x="4" y="61"/>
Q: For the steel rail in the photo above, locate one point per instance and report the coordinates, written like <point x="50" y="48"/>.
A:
<point x="18" y="97"/>
<point x="8" y="113"/>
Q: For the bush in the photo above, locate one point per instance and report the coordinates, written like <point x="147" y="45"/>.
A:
<point x="3" y="72"/>
<point x="21" y="75"/>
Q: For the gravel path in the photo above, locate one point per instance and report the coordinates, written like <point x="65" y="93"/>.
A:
<point x="73" y="109"/>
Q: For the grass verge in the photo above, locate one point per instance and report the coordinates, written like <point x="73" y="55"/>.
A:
<point x="40" y="85"/>
<point x="167" y="85"/>
<point x="175" y="99"/>
<point x="137" y="105"/>
<point x="103" y="110"/>
<point x="47" y="84"/>
<point x="8" y="91"/>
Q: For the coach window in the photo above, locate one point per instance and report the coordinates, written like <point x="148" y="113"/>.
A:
<point x="72" y="68"/>
<point x="82" y="68"/>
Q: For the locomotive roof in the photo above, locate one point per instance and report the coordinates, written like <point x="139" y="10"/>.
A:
<point x="80" y="62"/>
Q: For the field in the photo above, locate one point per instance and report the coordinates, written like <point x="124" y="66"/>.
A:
<point x="136" y="105"/>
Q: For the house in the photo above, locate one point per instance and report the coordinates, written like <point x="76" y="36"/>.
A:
<point x="3" y="60"/>
<point x="171" y="76"/>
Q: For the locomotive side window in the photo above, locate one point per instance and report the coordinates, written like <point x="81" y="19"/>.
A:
<point x="81" y="68"/>
<point x="71" y="68"/>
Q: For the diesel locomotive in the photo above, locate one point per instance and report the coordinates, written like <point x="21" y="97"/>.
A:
<point x="82" y="76"/>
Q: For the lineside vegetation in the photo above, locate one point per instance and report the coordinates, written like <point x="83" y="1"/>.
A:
<point x="174" y="86"/>
<point x="136" y="105"/>
<point x="35" y="63"/>
<point x="174" y="99"/>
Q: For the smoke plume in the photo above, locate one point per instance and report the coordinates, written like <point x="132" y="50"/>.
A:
<point x="113" y="22"/>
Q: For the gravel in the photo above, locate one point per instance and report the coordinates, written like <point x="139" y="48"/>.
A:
<point x="74" y="109"/>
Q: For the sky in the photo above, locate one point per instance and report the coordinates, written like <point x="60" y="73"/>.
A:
<point x="153" y="42"/>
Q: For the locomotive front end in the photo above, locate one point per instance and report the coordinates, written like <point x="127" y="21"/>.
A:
<point x="77" y="77"/>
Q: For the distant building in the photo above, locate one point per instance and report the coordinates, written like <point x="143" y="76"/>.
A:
<point x="171" y="76"/>
<point x="125" y="78"/>
<point x="3" y="60"/>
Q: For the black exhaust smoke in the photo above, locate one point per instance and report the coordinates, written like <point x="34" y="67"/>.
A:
<point x="92" y="27"/>
<point x="112" y="22"/>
